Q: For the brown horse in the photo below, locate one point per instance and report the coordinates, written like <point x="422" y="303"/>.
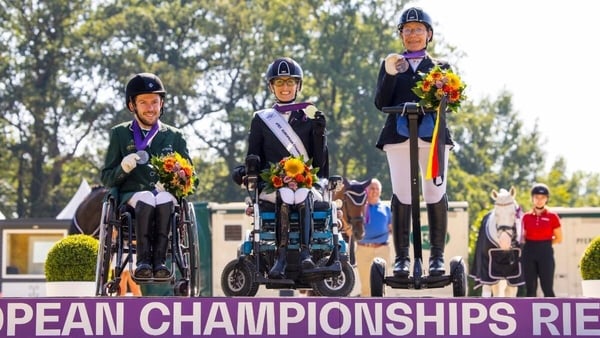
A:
<point x="87" y="216"/>
<point x="354" y="197"/>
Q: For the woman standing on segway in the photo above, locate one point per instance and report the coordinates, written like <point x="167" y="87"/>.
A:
<point x="398" y="74"/>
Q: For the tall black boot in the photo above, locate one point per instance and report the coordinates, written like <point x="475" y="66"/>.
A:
<point x="164" y="213"/>
<point x="401" y="215"/>
<point x="306" y="228"/>
<point x="282" y="230"/>
<point x="437" y="215"/>
<point x="144" y="225"/>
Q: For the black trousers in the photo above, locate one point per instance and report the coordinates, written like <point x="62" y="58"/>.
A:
<point x="538" y="262"/>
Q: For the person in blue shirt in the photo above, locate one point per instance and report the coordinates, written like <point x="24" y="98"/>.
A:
<point x="378" y="226"/>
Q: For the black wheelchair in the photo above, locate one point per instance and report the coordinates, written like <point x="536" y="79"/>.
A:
<point x="333" y="275"/>
<point x="118" y="246"/>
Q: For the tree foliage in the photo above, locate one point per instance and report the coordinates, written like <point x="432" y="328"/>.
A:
<point x="66" y="63"/>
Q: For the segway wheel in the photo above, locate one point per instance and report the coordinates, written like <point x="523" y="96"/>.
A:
<point x="377" y="277"/>
<point x="459" y="277"/>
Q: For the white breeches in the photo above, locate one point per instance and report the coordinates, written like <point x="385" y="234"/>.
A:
<point x="398" y="156"/>
<point x="290" y="196"/>
<point x="149" y="198"/>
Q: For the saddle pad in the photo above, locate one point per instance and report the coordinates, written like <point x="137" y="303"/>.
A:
<point x="504" y="264"/>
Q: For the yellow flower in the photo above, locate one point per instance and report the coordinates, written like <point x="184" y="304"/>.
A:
<point x="293" y="167"/>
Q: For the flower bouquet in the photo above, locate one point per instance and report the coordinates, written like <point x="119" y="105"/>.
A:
<point x="292" y="172"/>
<point x="175" y="173"/>
<point x="438" y="83"/>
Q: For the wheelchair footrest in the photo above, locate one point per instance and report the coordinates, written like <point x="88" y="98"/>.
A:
<point x="269" y="281"/>
<point x="322" y="272"/>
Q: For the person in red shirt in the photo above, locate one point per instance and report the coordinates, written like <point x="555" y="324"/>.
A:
<point x="541" y="229"/>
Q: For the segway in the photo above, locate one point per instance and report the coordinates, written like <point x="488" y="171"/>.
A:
<point x="418" y="280"/>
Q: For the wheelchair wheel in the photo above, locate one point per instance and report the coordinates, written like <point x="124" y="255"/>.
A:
<point x="377" y="277"/>
<point x="192" y="253"/>
<point x="459" y="278"/>
<point x="238" y="280"/>
<point x="336" y="286"/>
<point x="105" y="252"/>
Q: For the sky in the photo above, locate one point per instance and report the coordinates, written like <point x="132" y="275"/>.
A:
<point x="543" y="53"/>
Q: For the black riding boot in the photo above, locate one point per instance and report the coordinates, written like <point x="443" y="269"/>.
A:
<point x="401" y="215"/>
<point x="306" y="228"/>
<point x="144" y="223"/>
<point x="282" y="229"/>
<point x="437" y="215"/>
<point x="161" y="239"/>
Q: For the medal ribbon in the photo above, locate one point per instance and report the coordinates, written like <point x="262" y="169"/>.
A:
<point x="414" y="55"/>
<point x="140" y="141"/>
<point x="283" y="108"/>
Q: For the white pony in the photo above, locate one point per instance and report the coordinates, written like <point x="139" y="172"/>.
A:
<point x="497" y="262"/>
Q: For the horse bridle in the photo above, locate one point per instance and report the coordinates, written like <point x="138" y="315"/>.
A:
<point x="358" y="199"/>
<point x="504" y="227"/>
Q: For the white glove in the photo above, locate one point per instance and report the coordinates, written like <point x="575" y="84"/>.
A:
<point x="129" y="162"/>
<point x="159" y="187"/>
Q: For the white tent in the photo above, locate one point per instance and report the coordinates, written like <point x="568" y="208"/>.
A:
<point x="69" y="211"/>
<point x="2" y="215"/>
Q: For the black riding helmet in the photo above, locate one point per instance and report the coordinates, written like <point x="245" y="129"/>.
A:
<point x="285" y="66"/>
<point x="540" y="189"/>
<point x="143" y="83"/>
<point x="416" y="14"/>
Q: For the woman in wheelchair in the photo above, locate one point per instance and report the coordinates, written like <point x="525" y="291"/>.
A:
<point x="289" y="128"/>
<point x="127" y="168"/>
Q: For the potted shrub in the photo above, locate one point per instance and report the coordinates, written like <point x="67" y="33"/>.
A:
<point x="70" y="266"/>
<point x="589" y="267"/>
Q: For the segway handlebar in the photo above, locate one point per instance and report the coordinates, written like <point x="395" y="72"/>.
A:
<point x="406" y="108"/>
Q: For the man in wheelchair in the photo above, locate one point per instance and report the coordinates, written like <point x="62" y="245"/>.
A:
<point x="127" y="169"/>
<point x="288" y="129"/>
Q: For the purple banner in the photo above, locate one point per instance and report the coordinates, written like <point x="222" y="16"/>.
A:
<point x="299" y="317"/>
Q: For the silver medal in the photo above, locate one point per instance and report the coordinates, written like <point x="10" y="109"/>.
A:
<point x="144" y="157"/>
<point x="402" y="65"/>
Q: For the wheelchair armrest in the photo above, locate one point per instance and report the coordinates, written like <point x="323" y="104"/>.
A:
<point x="321" y="205"/>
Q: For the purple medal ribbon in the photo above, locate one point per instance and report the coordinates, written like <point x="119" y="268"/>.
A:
<point x="291" y="107"/>
<point x="142" y="142"/>
<point x="414" y="55"/>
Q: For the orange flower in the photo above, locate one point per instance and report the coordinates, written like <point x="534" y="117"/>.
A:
<point x="169" y="164"/>
<point x="277" y="182"/>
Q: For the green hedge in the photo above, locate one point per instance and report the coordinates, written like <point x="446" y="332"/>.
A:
<point x="590" y="261"/>
<point x="73" y="258"/>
